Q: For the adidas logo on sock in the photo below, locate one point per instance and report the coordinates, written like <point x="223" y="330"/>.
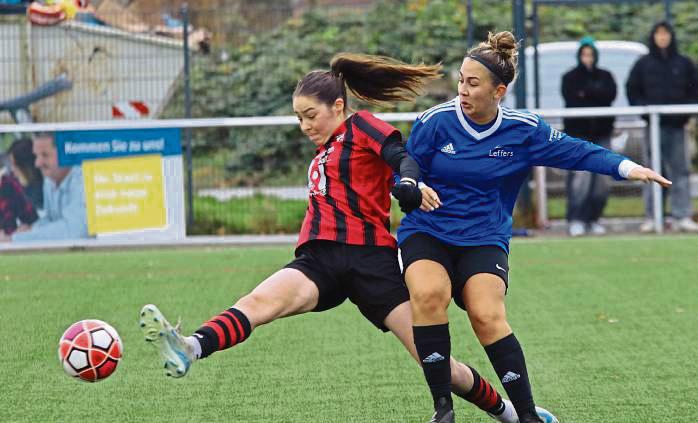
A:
<point x="433" y="358"/>
<point x="448" y="149"/>
<point x="510" y="377"/>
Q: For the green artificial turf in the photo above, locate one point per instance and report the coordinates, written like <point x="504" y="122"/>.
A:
<point x="608" y="326"/>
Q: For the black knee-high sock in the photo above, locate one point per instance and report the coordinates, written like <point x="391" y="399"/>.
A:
<point x="508" y="361"/>
<point x="483" y="395"/>
<point x="434" y="349"/>
<point x="223" y="331"/>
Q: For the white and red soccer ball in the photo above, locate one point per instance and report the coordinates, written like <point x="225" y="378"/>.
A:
<point x="90" y="350"/>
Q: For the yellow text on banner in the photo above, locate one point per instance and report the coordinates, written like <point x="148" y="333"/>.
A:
<point x="124" y="194"/>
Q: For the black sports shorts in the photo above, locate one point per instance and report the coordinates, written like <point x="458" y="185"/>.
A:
<point x="461" y="263"/>
<point x="368" y="275"/>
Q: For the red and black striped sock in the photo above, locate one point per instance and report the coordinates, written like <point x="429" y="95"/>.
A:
<point x="483" y="395"/>
<point x="223" y="331"/>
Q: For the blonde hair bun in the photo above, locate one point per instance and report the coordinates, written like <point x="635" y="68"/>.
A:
<point x="504" y="44"/>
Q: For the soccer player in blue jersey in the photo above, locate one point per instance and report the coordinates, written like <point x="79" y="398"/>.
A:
<point x="473" y="156"/>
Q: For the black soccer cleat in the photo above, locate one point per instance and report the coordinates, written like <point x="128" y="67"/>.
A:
<point x="444" y="412"/>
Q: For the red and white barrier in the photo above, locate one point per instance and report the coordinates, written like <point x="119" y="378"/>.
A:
<point x="130" y="110"/>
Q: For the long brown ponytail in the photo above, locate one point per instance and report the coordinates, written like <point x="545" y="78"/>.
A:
<point x="374" y="79"/>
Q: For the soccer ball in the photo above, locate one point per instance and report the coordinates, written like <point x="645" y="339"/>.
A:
<point x="90" y="350"/>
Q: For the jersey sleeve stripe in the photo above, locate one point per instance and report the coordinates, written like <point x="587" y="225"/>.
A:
<point x="436" y="112"/>
<point x="447" y="104"/>
<point x="522" y="114"/>
<point x="520" y="119"/>
<point x="435" y="109"/>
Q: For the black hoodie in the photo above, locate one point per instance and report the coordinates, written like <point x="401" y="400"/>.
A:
<point x="663" y="78"/>
<point x="582" y="87"/>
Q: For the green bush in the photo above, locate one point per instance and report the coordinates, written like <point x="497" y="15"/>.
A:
<point x="258" y="214"/>
<point x="259" y="77"/>
<point x="270" y="215"/>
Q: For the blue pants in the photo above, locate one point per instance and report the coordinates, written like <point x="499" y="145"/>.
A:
<point x="587" y="193"/>
<point x="676" y="168"/>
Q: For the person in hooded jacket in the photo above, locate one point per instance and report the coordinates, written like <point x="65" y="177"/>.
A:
<point x="587" y="85"/>
<point x="666" y="77"/>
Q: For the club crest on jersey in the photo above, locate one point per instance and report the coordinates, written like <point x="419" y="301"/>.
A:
<point x="501" y="152"/>
<point x="555" y="135"/>
<point x="339" y="138"/>
<point x="317" y="180"/>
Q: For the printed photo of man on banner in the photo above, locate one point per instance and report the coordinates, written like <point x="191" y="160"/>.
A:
<point x="110" y="184"/>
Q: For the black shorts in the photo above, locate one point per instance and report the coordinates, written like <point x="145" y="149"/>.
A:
<point x="461" y="263"/>
<point x="368" y="275"/>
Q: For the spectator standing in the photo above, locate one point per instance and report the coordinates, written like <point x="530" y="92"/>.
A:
<point x="587" y="85"/>
<point x="666" y="77"/>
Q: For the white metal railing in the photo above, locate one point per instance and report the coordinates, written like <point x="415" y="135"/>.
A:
<point x="654" y="113"/>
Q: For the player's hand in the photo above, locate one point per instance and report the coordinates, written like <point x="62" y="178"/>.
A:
<point x="648" y="175"/>
<point x="408" y="196"/>
<point x="430" y="199"/>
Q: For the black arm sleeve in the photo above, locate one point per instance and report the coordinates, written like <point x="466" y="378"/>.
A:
<point x="394" y="153"/>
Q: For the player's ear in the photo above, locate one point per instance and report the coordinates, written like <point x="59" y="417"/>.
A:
<point x="500" y="92"/>
<point x="338" y="106"/>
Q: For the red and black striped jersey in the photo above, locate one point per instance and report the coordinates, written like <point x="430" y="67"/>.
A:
<point x="350" y="185"/>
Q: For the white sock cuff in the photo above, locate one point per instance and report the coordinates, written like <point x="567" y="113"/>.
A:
<point x="193" y="342"/>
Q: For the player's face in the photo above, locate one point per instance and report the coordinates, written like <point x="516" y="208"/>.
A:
<point x="318" y="120"/>
<point x="478" y="95"/>
<point x="662" y="37"/>
<point x="46" y="157"/>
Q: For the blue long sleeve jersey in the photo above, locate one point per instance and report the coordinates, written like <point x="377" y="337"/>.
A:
<point x="477" y="171"/>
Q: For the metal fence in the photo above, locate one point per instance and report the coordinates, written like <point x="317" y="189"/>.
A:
<point x="129" y="60"/>
<point x="652" y="140"/>
<point x="225" y="209"/>
<point x="112" y="73"/>
<point x="126" y="59"/>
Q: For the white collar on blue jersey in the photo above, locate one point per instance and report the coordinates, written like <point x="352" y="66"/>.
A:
<point x="469" y="129"/>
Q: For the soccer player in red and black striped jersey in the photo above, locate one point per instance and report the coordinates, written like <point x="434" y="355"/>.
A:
<point x="345" y="249"/>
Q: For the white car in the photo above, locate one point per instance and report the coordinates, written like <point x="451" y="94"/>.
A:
<point x="555" y="59"/>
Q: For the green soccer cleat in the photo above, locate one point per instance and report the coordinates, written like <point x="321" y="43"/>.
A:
<point x="543" y="416"/>
<point x="175" y="353"/>
<point x="546" y="416"/>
